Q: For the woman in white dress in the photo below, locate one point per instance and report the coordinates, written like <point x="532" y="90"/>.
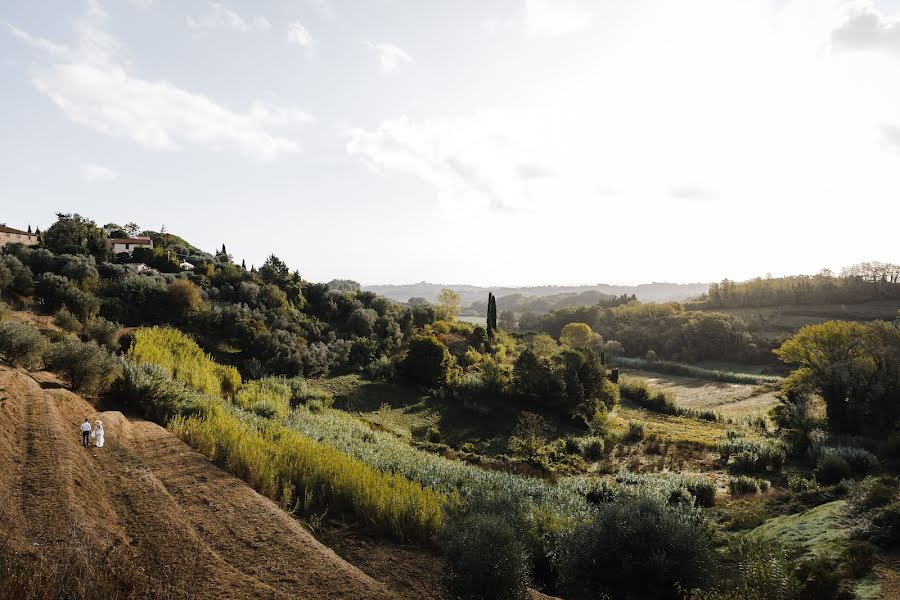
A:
<point x="98" y="433"/>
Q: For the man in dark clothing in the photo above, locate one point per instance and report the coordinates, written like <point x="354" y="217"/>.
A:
<point x="86" y="433"/>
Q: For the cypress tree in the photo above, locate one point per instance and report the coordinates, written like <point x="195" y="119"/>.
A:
<point x="491" y="315"/>
<point x="29" y="229"/>
<point x="224" y="253"/>
<point x="243" y="264"/>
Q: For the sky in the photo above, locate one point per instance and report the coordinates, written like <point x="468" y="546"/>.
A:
<point x="504" y="142"/>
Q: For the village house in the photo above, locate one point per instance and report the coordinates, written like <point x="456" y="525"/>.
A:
<point x="8" y="235"/>
<point x="129" y="244"/>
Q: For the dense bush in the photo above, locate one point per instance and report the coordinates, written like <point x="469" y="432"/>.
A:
<point x="104" y="332"/>
<point x="592" y="446"/>
<point x="635" y="431"/>
<point x="150" y="389"/>
<point x="636" y="548"/>
<point x="482" y="541"/>
<point x="22" y="344"/>
<point x="57" y="291"/>
<point x="89" y="368"/>
<point x="742" y="485"/>
<point x="427" y="361"/>
<point x="67" y="321"/>
<point x="752" y="456"/>
<point x="861" y="462"/>
<point x="832" y="468"/>
<point x="15" y="277"/>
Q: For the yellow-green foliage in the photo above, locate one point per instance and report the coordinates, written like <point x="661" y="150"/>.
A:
<point x="184" y="361"/>
<point x="289" y="467"/>
<point x="270" y="397"/>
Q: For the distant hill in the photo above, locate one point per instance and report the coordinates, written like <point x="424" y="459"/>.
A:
<point x="645" y="292"/>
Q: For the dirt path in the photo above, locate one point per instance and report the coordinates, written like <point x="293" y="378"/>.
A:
<point x="148" y="492"/>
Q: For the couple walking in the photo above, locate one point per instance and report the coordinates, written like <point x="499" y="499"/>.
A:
<point x="96" y="433"/>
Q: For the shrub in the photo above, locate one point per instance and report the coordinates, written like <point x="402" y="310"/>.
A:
<point x="702" y="489"/>
<point x="750" y="456"/>
<point x="485" y="557"/>
<point x="22" y="344"/>
<point x="635" y="431"/>
<point x="873" y="492"/>
<point x="764" y="485"/>
<point x="859" y="558"/>
<point x="89" y="368"/>
<point x="862" y="462"/>
<point x="433" y="435"/>
<point x="832" y="468"/>
<point x="635" y="548"/>
<point x="884" y="527"/>
<point x="755" y="568"/>
<point x="57" y="291"/>
<point x="381" y="369"/>
<point x="742" y="485"/>
<point x="592" y="446"/>
<point x="427" y="361"/>
<point x="105" y="333"/>
<point x="149" y="388"/>
<point x="67" y="321"/>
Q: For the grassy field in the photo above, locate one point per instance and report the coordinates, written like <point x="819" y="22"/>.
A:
<point x="669" y="428"/>
<point x="731" y="400"/>
<point x="408" y="412"/>
<point x="820" y="530"/>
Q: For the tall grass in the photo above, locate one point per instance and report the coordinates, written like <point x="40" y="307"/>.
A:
<point x="183" y="360"/>
<point x="273" y="397"/>
<point x="298" y="472"/>
<point x="685" y="370"/>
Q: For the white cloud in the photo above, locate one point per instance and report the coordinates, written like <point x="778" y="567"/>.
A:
<point x="866" y="28"/>
<point x="220" y="16"/>
<point x="477" y="162"/>
<point x="390" y="57"/>
<point x="93" y="173"/>
<point x="39" y="43"/>
<point x="155" y="114"/>
<point x="298" y="34"/>
<point x="94" y="88"/>
<point x="556" y="17"/>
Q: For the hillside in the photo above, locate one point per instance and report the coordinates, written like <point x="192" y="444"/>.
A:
<point x="645" y="292"/>
<point x="150" y="497"/>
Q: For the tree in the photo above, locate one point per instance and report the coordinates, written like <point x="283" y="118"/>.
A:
<point x="131" y="229"/>
<point x="854" y="367"/>
<point x="74" y="234"/>
<point x="576" y="335"/>
<point x="508" y="319"/>
<point x="427" y="362"/>
<point x="491" y="315"/>
<point x="447" y="307"/>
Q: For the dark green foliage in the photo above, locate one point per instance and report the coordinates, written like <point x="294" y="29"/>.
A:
<point x="427" y="361"/>
<point x="67" y="321"/>
<point x="568" y="379"/>
<point x="15" y="277"/>
<point x="57" y="291"/>
<point x="104" y="333"/>
<point x="491" y="315"/>
<point x="22" y="344"/>
<point x="89" y="368"/>
<point x="832" y="468"/>
<point x="636" y="548"/>
<point x="73" y="234"/>
<point x="742" y="485"/>
<point x="861" y="462"/>
<point x="483" y="542"/>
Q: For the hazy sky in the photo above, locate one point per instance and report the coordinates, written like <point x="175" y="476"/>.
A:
<point x="505" y="142"/>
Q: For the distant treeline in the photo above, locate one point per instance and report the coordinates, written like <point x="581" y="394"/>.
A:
<point x="863" y="282"/>
<point x="521" y="303"/>
<point x="667" y="329"/>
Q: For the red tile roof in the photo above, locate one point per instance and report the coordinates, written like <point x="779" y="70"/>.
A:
<point x="140" y="240"/>
<point x="5" y="229"/>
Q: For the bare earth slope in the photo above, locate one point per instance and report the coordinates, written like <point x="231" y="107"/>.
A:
<point x="151" y="494"/>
